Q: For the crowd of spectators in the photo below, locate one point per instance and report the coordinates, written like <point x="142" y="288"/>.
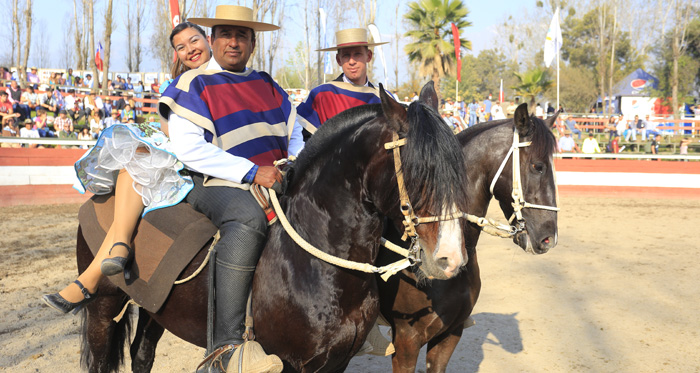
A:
<point x="64" y="107"/>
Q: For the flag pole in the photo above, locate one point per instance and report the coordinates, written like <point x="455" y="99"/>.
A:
<point x="558" y="79"/>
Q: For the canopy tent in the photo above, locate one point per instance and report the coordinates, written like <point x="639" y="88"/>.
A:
<point x="639" y="83"/>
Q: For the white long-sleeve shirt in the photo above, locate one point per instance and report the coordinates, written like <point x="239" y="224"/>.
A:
<point x="190" y="147"/>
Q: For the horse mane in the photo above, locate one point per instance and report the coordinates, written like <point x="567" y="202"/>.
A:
<point x="544" y="144"/>
<point x="333" y="131"/>
<point x="432" y="153"/>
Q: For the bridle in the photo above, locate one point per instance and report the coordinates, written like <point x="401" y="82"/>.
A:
<point x="411" y="220"/>
<point x="517" y="194"/>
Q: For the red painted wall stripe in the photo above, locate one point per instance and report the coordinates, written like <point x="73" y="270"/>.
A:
<point x="626" y="165"/>
<point x="39" y="157"/>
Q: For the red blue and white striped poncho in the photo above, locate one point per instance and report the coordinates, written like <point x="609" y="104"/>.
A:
<point x="246" y="114"/>
<point x="327" y="100"/>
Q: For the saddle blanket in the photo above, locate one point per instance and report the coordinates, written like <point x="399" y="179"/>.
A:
<point x="165" y="242"/>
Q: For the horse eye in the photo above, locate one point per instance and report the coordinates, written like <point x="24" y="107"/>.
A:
<point x="539" y="167"/>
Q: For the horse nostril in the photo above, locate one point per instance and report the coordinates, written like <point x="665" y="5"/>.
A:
<point x="548" y="242"/>
<point x="443" y="263"/>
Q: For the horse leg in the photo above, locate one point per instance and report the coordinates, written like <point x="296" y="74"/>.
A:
<point x="407" y="344"/>
<point x="440" y="350"/>
<point x="143" y="347"/>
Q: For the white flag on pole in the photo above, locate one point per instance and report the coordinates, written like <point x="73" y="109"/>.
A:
<point x="377" y="39"/>
<point x="327" y="65"/>
<point x="552" y="43"/>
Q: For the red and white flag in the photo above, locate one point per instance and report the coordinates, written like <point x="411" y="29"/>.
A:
<point x="501" y="96"/>
<point x="98" y="56"/>
<point x="458" y="51"/>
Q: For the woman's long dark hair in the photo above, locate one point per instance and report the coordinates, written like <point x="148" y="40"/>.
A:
<point x="179" y="67"/>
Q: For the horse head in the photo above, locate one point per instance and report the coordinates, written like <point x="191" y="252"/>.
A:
<point x="533" y="207"/>
<point x="433" y="191"/>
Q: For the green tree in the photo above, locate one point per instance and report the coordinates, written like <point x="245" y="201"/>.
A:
<point x="482" y="75"/>
<point x="532" y="84"/>
<point x="431" y="31"/>
<point x="688" y="66"/>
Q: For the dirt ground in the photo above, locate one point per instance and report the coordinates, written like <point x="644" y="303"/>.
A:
<point x="618" y="294"/>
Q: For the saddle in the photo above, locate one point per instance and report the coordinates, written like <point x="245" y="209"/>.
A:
<point x="164" y="243"/>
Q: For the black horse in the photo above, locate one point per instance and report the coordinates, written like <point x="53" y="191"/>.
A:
<point x="314" y="315"/>
<point x="434" y="313"/>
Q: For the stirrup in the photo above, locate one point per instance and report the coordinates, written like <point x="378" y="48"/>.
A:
<point x="216" y="357"/>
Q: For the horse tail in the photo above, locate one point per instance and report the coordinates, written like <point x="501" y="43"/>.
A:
<point x="110" y="340"/>
<point x="119" y="332"/>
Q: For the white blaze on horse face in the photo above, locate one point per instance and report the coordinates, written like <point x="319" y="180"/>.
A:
<point x="450" y="243"/>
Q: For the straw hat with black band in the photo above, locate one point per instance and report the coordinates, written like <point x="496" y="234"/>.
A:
<point x="234" y="15"/>
<point x="348" y="38"/>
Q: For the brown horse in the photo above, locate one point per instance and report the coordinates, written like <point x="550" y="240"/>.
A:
<point x="314" y="315"/>
<point x="434" y="313"/>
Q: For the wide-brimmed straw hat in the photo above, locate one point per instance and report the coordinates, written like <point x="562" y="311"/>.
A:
<point x="348" y="38"/>
<point x="234" y="15"/>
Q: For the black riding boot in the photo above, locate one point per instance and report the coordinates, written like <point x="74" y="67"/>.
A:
<point x="237" y="254"/>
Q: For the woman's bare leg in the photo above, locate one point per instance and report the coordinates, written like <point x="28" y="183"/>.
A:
<point x="127" y="210"/>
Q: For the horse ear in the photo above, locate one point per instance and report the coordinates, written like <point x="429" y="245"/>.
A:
<point x="392" y="110"/>
<point x="550" y="121"/>
<point x="522" y="119"/>
<point x="429" y="96"/>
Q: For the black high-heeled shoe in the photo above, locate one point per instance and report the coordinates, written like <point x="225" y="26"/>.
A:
<point x="56" y="301"/>
<point x="113" y="266"/>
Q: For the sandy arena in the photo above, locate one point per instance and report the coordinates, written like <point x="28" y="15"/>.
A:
<point x="618" y="294"/>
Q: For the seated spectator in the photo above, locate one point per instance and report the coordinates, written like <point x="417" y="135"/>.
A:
<point x="31" y="99"/>
<point x="99" y="106"/>
<point x="572" y="126"/>
<point x="88" y="105"/>
<point x="650" y="128"/>
<point x="119" y="104"/>
<point x="84" y="135"/>
<point x="107" y="108"/>
<point x="8" y="115"/>
<point x="48" y="102"/>
<point x="112" y="120"/>
<point x="73" y="107"/>
<point x="5" y="74"/>
<point x="29" y="132"/>
<point x="567" y="143"/>
<point x="15" y="97"/>
<point x="127" y="113"/>
<point x="59" y="99"/>
<point x="88" y="81"/>
<point x="611" y="128"/>
<point x="41" y="124"/>
<point x="590" y="145"/>
<point x="33" y="78"/>
<point x="96" y="124"/>
<point x="63" y="123"/>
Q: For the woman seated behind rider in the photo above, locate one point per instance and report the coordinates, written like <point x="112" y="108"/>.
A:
<point x="127" y="154"/>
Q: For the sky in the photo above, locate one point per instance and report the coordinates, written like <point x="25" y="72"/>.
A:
<point x="484" y="15"/>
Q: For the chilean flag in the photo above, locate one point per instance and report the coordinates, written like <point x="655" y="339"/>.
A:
<point x="98" y="56"/>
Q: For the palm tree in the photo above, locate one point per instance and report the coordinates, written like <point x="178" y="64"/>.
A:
<point x="431" y="31"/>
<point x="531" y="84"/>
